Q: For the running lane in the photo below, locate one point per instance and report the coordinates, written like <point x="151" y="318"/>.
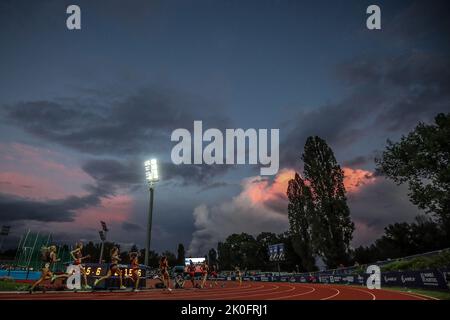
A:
<point x="231" y="291"/>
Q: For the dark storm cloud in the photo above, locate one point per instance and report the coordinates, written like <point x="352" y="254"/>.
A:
<point x="388" y="93"/>
<point x="362" y="160"/>
<point x="357" y="161"/>
<point x="192" y="173"/>
<point x="391" y="94"/>
<point x="416" y="83"/>
<point x="125" y="173"/>
<point x="15" y="208"/>
<point x="214" y="185"/>
<point x="376" y="205"/>
<point x="114" y="172"/>
<point x="130" y="126"/>
<point x="422" y="20"/>
<point x="335" y="123"/>
<point x="131" y="227"/>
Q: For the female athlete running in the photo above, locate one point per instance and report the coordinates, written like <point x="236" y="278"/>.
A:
<point x="213" y="274"/>
<point x="78" y="258"/>
<point x="164" y="269"/>
<point x="191" y="271"/>
<point x="113" y="269"/>
<point x="205" y="270"/>
<point x="49" y="258"/>
<point x="238" y="275"/>
<point x="134" y="269"/>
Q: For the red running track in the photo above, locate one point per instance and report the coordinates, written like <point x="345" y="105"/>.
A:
<point x="232" y="291"/>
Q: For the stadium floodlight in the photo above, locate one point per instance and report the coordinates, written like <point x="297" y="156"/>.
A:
<point x="151" y="171"/>
<point x="102" y="234"/>
<point x="104" y="227"/>
<point x="152" y="176"/>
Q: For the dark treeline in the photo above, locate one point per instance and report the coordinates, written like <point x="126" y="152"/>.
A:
<point x="251" y="253"/>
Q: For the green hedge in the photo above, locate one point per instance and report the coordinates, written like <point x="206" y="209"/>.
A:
<point x="7" y="284"/>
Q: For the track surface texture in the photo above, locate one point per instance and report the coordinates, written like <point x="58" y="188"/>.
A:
<point x="232" y="291"/>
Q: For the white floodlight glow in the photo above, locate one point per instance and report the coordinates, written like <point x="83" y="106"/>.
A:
<point x="151" y="171"/>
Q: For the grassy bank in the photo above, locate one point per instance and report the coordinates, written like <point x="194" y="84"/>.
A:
<point x="441" y="295"/>
<point x="11" y="285"/>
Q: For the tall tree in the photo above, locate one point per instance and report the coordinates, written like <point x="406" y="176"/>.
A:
<point x="239" y="250"/>
<point x="332" y="228"/>
<point x="181" y="254"/>
<point x="300" y="214"/>
<point x="404" y="239"/>
<point x="224" y="253"/>
<point x="264" y="239"/>
<point x="422" y="159"/>
<point x="212" y="256"/>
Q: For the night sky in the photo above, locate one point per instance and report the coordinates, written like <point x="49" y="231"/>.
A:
<point x="82" y="110"/>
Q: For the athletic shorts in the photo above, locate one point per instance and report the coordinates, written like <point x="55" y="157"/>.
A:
<point x="112" y="266"/>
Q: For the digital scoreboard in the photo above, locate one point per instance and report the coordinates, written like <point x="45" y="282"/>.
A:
<point x="276" y="252"/>
<point x="97" y="270"/>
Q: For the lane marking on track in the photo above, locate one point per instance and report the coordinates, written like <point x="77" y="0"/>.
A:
<point x="258" y="293"/>
<point x="365" y="291"/>
<point x="265" y="291"/>
<point x="426" y="296"/>
<point x="208" y="294"/>
<point x="334" y="295"/>
<point x="148" y="293"/>
<point x="415" y="295"/>
<point x="296" y="295"/>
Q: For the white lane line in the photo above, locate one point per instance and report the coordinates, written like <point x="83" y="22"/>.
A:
<point x="334" y="295"/>
<point x="295" y="295"/>
<point x="207" y="295"/>
<point x="365" y="291"/>
<point x="415" y="295"/>
<point x="250" y="294"/>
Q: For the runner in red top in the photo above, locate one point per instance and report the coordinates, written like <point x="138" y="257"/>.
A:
<point x="164" y="268"/>
<point x="213" y="274"/>
<point x="205" y="269"/>
<point x="191" y="271"/>
<point x="78" y="258"/>
<point x="134" y="261"/>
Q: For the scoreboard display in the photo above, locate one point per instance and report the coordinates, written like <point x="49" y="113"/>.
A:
<point x="276" y="252"/>
<point x="97" y="270"/>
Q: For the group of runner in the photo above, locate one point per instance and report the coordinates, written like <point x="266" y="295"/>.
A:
<point x="49" y="255"/>
<point x="205" y="271"/>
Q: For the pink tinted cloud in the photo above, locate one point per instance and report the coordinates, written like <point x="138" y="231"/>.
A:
<point x="115" y="210"/>
<point x="260" y="190"/>
<point x="356" y="179"/>
<point x="39" y="173"/>
<point x="45" y="159"/>
<point x="22" y="185"/>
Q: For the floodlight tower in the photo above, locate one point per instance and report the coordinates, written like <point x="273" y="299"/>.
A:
<point x="151" y="175"/>
<point x="102" y="234"/>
